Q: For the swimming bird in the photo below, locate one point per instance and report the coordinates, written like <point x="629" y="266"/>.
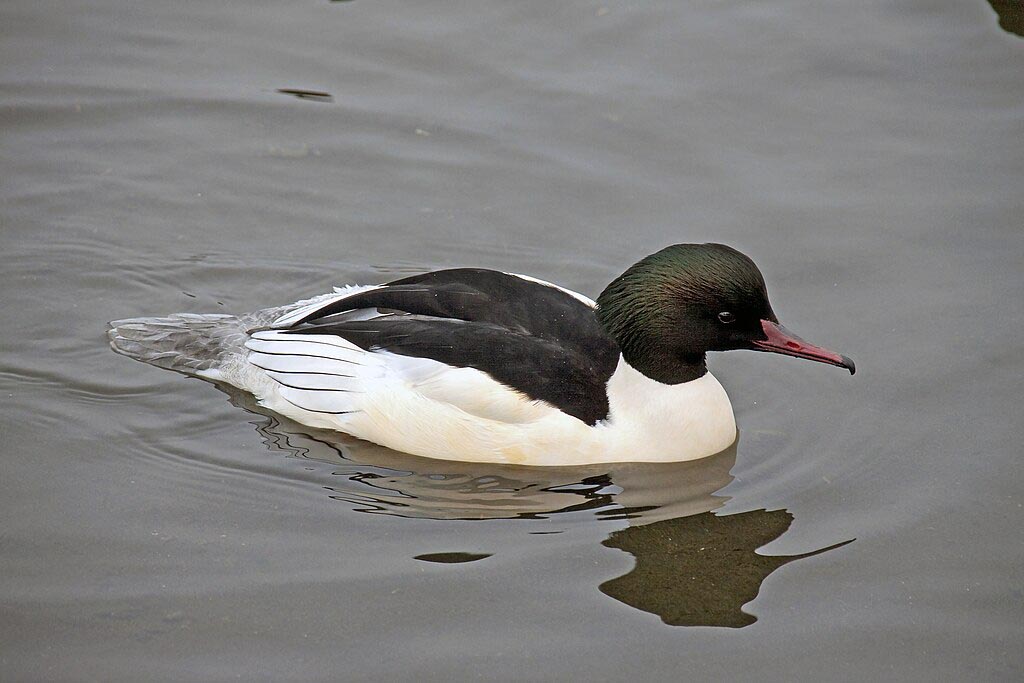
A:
<point x="479" y="365"/>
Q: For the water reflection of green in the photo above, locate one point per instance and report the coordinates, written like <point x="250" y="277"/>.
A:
<point x="693" y="567"/>
<point x="700" y="570"/>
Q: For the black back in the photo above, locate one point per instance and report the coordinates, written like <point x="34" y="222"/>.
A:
<point x="531" y="337"/>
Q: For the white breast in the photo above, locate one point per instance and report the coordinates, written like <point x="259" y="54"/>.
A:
<point x="650" y="421"/>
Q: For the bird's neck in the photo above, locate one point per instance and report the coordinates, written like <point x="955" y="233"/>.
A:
<point x="667" y="368"/>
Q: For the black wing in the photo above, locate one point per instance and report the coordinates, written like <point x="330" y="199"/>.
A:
<point x="531" y="337"/>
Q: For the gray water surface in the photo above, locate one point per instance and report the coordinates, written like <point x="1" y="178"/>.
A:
<point x="196" y="156"/>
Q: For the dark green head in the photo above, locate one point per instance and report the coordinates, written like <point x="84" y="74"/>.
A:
<point x="674" y="306"/>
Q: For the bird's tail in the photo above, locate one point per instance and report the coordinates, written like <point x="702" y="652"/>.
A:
<point x="185" y="342"/>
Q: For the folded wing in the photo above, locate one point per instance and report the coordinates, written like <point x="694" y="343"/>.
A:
<point x="539" y="340"/>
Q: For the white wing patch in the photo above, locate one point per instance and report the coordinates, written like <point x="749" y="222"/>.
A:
<point x="316" y="381"/>
<point x="317" y="401"/>
<point x="300" y="364"/>
<point x="313" y="345"/>
<point x="320" y="373"/>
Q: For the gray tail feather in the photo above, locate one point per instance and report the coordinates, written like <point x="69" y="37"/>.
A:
<point x="184" y="342"/>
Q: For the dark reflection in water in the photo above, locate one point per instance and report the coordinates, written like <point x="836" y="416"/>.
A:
<point x="314" y="95"/>
<point x="452" y="558"/>
<point x="700" y="570"/>
<point x="693" y="568"/>
<point x="1011" y="15"/>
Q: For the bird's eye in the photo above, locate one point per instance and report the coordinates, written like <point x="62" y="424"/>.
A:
<point x="727" y="317"/>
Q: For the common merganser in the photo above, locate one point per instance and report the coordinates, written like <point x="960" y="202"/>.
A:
<point x="484" y="366"/>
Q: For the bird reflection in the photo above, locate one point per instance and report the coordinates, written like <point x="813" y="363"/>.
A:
<point x="693" y="567"/>
<point x="700" y="570"/>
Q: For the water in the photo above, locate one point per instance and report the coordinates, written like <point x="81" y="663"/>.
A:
<point x="161" y="157"/>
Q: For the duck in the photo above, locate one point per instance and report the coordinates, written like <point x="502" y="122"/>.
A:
<point x="479" y="365"/>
